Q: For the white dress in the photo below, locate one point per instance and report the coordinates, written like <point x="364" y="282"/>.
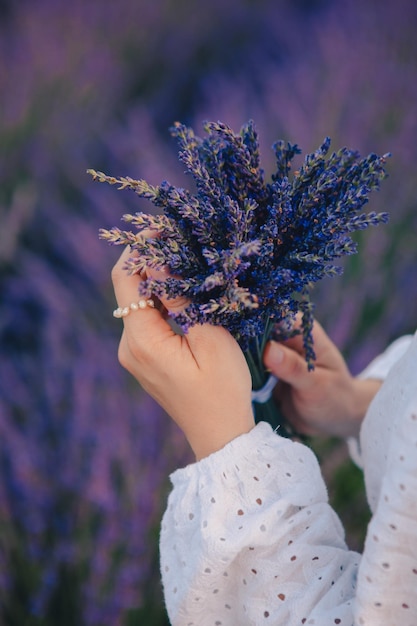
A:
<point x="248" y="537"/>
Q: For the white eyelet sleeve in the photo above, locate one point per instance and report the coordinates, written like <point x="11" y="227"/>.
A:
<point x="378" y="369"/>
<point x="249" y="538"/>
<point x="382" y="364"/>
<point x="387" y="584"/>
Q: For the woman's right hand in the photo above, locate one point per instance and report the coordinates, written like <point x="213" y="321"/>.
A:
<point x="326" y="401"/>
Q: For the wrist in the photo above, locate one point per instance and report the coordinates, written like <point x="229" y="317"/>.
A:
<point x="215" y="435"/>
<point x="364" y="390"/>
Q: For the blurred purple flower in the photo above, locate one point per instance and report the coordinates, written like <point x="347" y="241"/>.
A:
<point x="351" y="75"/>
<point x="81" y="85"/>
<point x="79" y="483"/>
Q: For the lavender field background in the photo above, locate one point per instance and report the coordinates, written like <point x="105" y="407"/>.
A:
<point x="84" y="453"/>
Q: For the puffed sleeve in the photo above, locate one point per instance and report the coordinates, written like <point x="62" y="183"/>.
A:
<point x="248" y="538"/>
<point x="387" y="583"/>
<point x="379" y="368"/>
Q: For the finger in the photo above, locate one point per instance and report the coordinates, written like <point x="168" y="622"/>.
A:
<point x="202" y="339"/>
<point x="174" y="305"/>
<point x="325" y="350"/>
<point x="295" y="343"/>
<point x="125" y="285"/>
<point x="126" y="288"/>
<point x="287" y="365"/>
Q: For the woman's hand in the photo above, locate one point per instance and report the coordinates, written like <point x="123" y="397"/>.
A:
<point x="201" y="379"/>
<point x="326" y="401"/>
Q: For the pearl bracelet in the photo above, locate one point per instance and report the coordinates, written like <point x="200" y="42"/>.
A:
<point x="134" y="306"/>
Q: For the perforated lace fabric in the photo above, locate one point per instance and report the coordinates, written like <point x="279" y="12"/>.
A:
<point x="387" y="587"/>
<point x="248" y="537"/>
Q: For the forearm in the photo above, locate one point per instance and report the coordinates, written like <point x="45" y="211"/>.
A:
<point x="208" y="436"/>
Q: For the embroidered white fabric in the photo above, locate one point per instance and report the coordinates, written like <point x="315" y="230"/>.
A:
<point x="379" y="368"/>
<point x="248" y="537"/>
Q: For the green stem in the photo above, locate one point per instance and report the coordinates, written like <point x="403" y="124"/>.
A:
<point x="268" y="411"/>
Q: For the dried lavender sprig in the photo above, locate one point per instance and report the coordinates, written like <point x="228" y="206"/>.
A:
<point x="241" y="248"/>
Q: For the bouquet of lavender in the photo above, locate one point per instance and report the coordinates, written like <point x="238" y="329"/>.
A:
<point x="246" y="252"/>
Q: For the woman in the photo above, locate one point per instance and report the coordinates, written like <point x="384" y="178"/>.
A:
<point x="248" y="536"/>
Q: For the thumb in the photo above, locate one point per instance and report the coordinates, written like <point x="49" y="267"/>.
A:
<point x="287" y="365"/>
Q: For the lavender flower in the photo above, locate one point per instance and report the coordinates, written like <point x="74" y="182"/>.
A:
<point x="243" y="251"/>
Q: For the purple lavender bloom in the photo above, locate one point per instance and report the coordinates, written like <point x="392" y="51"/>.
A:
<point x="245" y="252"/>
<point x="349" y="74"/>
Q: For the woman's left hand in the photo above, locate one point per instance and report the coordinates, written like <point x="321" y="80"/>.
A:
<point x="201" y="379"/>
